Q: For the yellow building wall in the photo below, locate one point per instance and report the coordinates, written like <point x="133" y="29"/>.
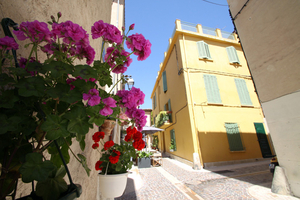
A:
<point x="209" y="119"/>
<point x="180" y="116"/>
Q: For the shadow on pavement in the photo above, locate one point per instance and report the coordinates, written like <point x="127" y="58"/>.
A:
<point x="129" y="193"/>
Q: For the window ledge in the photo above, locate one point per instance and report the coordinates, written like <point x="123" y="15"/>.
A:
<point x="236" y="64"/>
<point x="206" y="59"/>
<point x="247" y="106"/>
<point x="215" y="104"/>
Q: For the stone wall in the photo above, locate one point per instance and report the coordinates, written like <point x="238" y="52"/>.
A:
<point x="84" y="13"/>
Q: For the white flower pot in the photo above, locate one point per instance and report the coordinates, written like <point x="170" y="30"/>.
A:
<point x="112" y="185"/>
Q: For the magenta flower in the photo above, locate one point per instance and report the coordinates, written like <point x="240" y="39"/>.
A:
<point x="23" y="62"/>
<point x="131" y="27"/>
<point x="109" y="32"/>
<point x="131" y="99"/>
<point x="36" y="31"/>
<point x="8" y="43"/>
<point x="139" y="117"/>
<point x="92" y="97"/>
<point x="139" y="45"/>
<point x="109" y="103"/>
<point x="69" y="81"/>
<point x="112" y="55"/>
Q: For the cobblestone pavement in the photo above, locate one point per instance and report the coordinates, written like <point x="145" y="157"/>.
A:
<point x="174" y="180"/>
<point x="152" y="186"/>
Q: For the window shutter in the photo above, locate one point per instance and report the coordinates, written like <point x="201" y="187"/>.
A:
<point x="212" y="89"/>
<point x="243" y="92"/>
<point x="203" y="50"/>
<point x="234" y="137"/>
<point x="170" y="115"/>
<point x="207" y="50"/>
<point x="165" y="107"/>
<point x="232" y="55"/>
<point x="154" y="100"/>
<point x="165" y="81"/>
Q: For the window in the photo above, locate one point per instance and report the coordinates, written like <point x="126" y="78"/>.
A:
<point x="164" y="75"/>
<point x="243" y="92"/>
<point x="167" y="107"/>
<point x="203" y="50"/>
<point x="234" y="137"/>
<point x="212" y="89"/>
<point x="232" y="55"/>
<point x="173" y="140"/>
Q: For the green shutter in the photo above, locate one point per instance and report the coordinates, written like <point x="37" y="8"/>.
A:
<point x="165" y="81"/>
<point x="232" y="55"/>
<point x="212" y="89"/>
<point x="165" y="108"/>
<point x="243" y="92"/>
<point x="203" y="50"/>
<point x="234" y="137"/>
<point x="172" y="133"/>
<point x="170" y="115"/>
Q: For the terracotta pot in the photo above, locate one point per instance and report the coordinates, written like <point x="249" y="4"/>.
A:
<point x="108" y="126"/>
<point x="112" y="185"/>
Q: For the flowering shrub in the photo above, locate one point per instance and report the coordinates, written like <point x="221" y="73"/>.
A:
<point x="44" y="104"/>
<point x="115" y="158"/>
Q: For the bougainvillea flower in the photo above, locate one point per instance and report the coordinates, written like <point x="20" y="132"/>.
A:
<point x="97" y="165"/>
<point x="92" y="97"/>
<point x="108" y="144"/>
<point x="8" y="43"/>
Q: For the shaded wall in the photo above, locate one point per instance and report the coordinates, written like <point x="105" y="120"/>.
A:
<point x="269" y="32"/>
<point x="84" y="13"/>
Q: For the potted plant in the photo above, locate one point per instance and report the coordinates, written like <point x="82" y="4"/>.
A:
<point x="163" y="117"/>
<point x="115" y="161"/>
<point x="144" y="160"/>
<point x="155" y="142"/>
<point x="172" y="145"/>
<point x="44" y="104"/>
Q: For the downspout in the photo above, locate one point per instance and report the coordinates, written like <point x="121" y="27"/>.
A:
<point x="197" y="156"/>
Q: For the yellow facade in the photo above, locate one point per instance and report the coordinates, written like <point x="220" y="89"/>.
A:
<point x="205" y="130"/>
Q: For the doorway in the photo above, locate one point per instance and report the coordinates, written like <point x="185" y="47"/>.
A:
<point x="263" y="140"/>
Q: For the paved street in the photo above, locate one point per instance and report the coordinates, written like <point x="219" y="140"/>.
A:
<point x="175" y="180"/>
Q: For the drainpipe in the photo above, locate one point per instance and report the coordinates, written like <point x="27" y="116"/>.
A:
<point x="197" y="156"/>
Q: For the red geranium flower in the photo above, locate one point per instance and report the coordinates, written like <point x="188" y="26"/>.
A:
<point x="108" y="144"/>
<point x="113" y="159"/>
<point x="97" y="165"/>
<point x="117" y="152"/>
<point x="95" y="145"/>
<point x="97" y="136"/>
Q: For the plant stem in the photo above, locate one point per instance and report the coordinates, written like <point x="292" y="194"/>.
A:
<point x="72" y="151"/>
<point x="115" y="85"/>
<point x="102" y="50"/>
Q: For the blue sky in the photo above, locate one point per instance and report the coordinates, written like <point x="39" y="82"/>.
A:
<point x="155" y="19"/>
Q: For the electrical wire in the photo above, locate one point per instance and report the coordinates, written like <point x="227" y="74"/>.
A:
<point x="214" y="3"/>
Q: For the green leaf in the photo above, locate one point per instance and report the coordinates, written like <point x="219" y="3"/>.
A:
<point x="82" y="144"/>
<point x="5" y="79"/>
<point x="85" y="72"/>
<point x="61" y="172"/>
<point x="36" y="67"/>
<point x="59" y="68"/>
<point x="55" y="127"/>
<point x="104" y="76"/>
<point x="10" y="124"/>
<point x="78" y="121"/>
<point x="63" y="92"/>
<point x="31" y="86"/>
<point x="35" y="168"/>
<point x="83" y="163"/>
<point x="51" y="188"/>
<point x="18" y="71"/>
